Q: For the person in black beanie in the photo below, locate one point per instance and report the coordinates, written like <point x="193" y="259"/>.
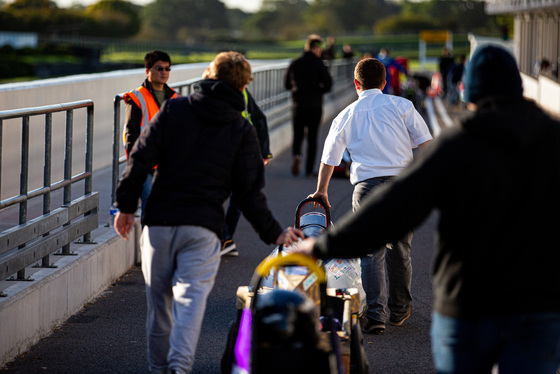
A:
<point x="495" y="182"/>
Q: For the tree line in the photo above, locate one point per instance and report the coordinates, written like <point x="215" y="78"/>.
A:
<point x="209" y="20"/>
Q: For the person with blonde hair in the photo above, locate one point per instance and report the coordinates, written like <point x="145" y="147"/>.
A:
<point x="205" y="150"/>
<point x="257" y="118"/>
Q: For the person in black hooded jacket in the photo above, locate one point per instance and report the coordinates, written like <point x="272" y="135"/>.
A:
<point x="204" y="150"/>
<point x="257" y="118"/>
<point x="495" y="183"/>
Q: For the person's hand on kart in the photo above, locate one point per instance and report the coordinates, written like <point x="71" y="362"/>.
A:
<point x="305" y="247"/>
<point x="323" y="179"/>
<point x="323" y="195"/>
<point x="289" y="236"/>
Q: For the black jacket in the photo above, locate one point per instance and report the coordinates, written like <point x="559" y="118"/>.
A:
<point x="495" y="182"/>
<point x="309" y="79"/>
<point x="258" y="118"/>
<point x="204" y="150"/>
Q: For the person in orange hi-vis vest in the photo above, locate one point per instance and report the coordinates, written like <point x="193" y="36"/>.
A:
<point x="144" y="102"/>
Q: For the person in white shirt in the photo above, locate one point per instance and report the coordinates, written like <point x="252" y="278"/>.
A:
<point x="380" y="132"/>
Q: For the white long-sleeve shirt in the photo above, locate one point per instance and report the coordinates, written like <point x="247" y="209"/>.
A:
<point x="379" y="132"/>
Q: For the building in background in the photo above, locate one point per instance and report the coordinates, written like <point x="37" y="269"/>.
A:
<point x="536" y="46"/>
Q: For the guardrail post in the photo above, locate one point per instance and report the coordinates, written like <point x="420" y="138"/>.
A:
<point x="45" y="261"/>
<point x="35" y="239"/>
<point x="68" y="168"/>
<point x="24" y="177"/>
<point x="88" y="183"/>
<point x="116" y="155"/>
<point x="1" y="132"/>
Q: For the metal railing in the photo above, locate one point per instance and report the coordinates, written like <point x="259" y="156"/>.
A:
<point x="268" y="90"/>
<point x="36" y="239"/>
<point x="23" y="245"/>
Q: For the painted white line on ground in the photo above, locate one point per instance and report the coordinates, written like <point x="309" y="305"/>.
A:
<point x="443" y="113"/>
<point x="432" y="118"/>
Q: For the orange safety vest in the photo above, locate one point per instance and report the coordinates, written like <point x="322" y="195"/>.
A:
<point x="147" y="104"/>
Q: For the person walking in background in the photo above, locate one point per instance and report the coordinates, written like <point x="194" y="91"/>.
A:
<point x="143" y="103"/>
<point x="257" y="118"/>
<point x="308" y="79"/>
<point x="392" y="68"/>
<point x="445" y="64"/>
<point x="347" y="52"/>
<point x="496" y="264"/>
<point x="379" y="132"/>
<point x="184" y="214"/>
<point x="454" y="79"/>
<point x="329" y="52"/>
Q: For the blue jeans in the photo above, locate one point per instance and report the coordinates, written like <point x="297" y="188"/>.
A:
<point x="180" y="264"/>
<point x="146" y="188"/>
<point x="525" y="343"/>
<point x="396" y="256"/>
<point x="452" y="91"/>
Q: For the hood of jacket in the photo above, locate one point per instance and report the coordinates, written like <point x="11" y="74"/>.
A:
<point x="217" y="101"/>
<point x="512" y="124"/>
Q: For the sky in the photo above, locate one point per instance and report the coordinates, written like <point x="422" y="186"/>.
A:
<point x="245" y="5"/>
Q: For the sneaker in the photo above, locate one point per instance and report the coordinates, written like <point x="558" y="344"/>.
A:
<point x="295" y="165"/>
<point x="372" y="326"/>
<point x="229" y="248"/>
<point x="398" y="322"/>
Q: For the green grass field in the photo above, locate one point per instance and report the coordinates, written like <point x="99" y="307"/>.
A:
<point x="399" y="45"/>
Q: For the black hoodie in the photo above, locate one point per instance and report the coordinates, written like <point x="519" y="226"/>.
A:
<point x="495" y="183"/>
<point x="204" y="150"/>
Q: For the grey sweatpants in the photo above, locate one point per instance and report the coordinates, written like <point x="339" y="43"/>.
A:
<point x="180" y="264"/>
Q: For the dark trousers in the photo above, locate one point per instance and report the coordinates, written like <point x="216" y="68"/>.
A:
<point x="306" y="118"/>
<point x="232" y="218"/>
<point x="392" y="263"/>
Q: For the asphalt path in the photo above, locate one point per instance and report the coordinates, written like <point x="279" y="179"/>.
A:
<point x="107" y="335"/>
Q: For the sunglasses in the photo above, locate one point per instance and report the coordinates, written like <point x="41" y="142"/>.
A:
<point x="161" y="68"/>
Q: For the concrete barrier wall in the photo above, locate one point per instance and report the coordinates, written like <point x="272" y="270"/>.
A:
<point x="544" y="91"/>
<point x="530" y="87"/>
<point x="32" y="310"/>
<point x="100" y="87"/>
<point x="549" y="96"/>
